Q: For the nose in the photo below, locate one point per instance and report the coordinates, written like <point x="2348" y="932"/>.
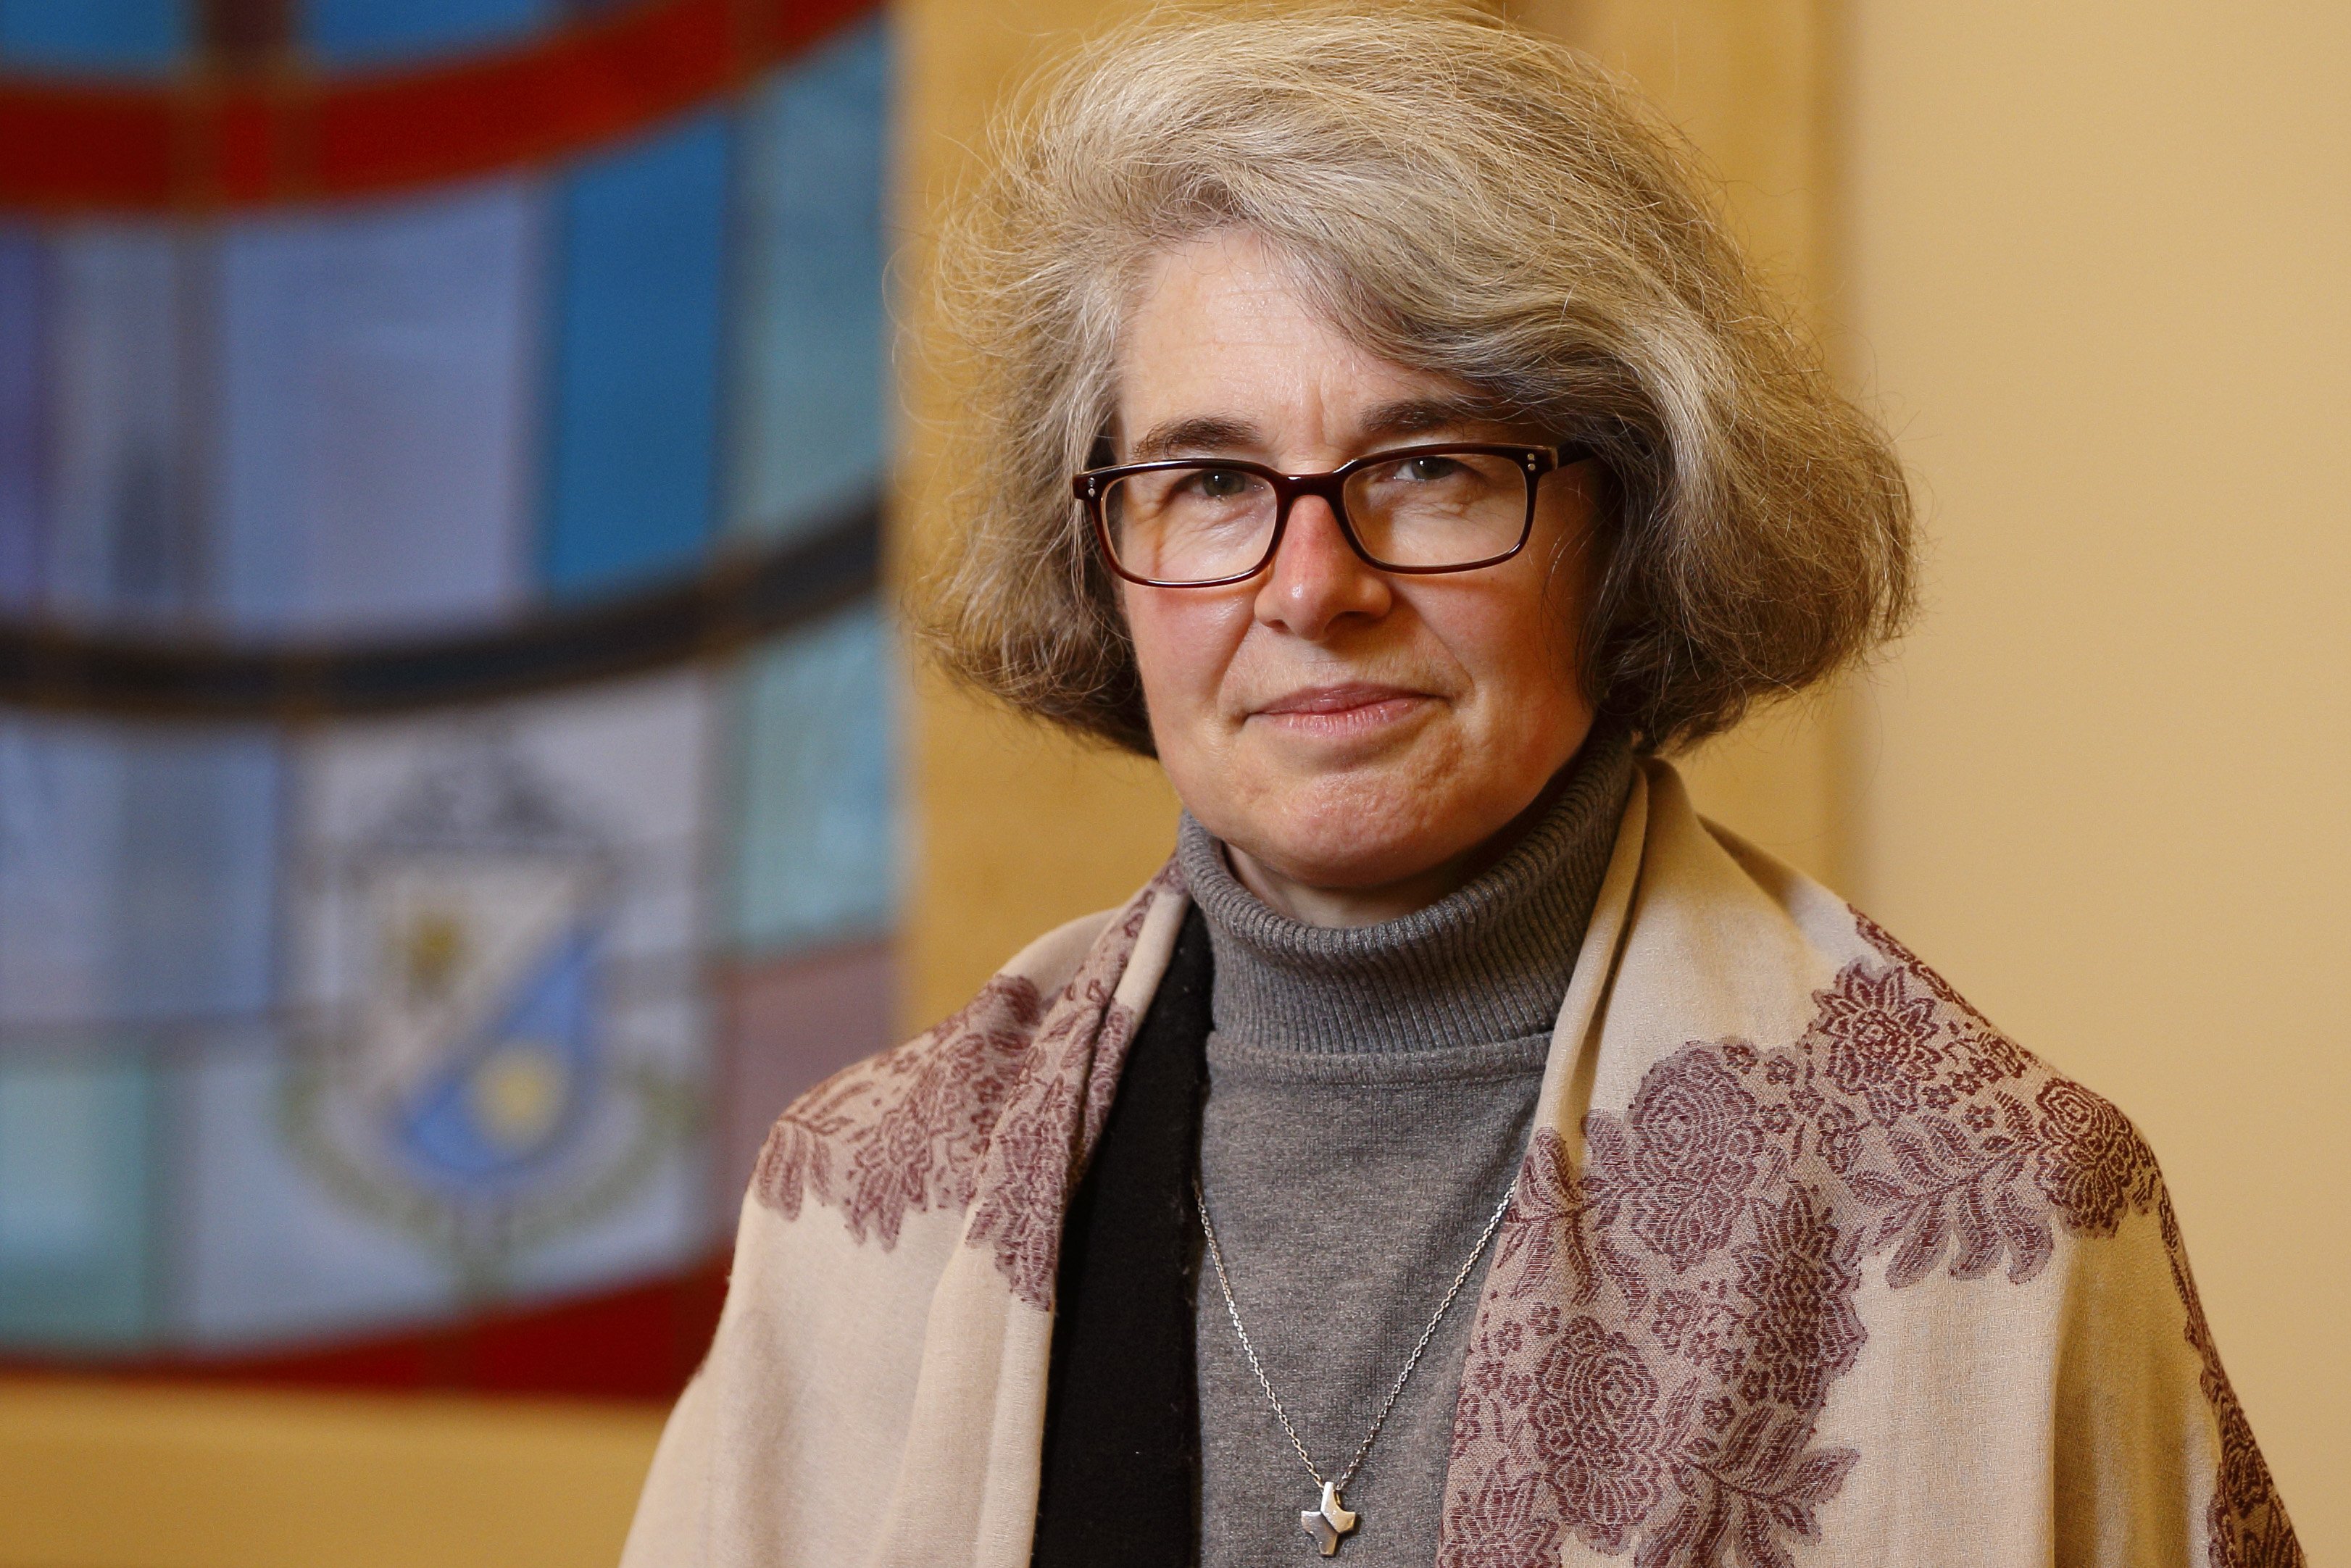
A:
<point x="1317" y="579"/>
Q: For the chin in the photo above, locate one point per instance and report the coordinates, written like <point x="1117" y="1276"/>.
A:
<point x="1352" y="842"/>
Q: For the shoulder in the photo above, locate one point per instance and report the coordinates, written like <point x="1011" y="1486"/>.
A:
<point x="906" y="1131"/>
<point x="1809" y="1143"/>
<point x="1824" y="1045"/>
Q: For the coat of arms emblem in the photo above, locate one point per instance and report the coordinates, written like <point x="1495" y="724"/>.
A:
<point x="463" y="1083"/>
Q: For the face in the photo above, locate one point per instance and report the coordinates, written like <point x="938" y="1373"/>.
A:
<point x="1355" y="737"/>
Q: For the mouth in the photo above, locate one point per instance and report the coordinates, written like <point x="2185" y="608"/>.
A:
<point x="1356" y="707"/>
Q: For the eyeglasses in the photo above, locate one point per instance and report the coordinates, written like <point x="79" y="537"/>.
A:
<point x="1205" y="522"/>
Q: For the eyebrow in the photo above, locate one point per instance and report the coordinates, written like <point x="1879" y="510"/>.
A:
<point x="1210" y="436"/>
<point x="1202" y="437"/>
<point x="1429" y="415"/>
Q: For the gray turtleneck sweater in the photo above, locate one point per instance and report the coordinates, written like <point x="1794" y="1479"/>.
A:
<point x="1370" y="1093"/>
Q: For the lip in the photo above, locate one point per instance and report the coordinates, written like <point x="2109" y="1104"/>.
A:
<point x="1352" y="707"/>
<point x="1337" y="699"/>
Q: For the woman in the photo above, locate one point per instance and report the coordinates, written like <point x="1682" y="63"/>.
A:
<point x="1460" y="1151"/>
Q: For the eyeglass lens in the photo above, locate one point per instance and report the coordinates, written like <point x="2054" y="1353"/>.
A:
<point x="1202" y="522"/>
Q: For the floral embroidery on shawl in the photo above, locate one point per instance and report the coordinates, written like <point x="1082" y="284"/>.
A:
<point x="1660" y="1338"/>
<point x="990" y="1111"/>
<point x="902" y="1130"/>
<point x="1055" y="1114"/>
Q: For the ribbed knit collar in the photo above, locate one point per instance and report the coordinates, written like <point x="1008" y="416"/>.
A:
<point x="1488" y="962"/>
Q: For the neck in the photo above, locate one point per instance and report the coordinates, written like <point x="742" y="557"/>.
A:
<point x="1346" y="908"/>
<point x="1486" y="963"/>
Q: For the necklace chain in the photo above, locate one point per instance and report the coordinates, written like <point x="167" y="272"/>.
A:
<point x="1233" y="1311"/>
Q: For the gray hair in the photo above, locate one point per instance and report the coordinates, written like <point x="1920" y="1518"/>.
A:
<point x="1460" y="197"/>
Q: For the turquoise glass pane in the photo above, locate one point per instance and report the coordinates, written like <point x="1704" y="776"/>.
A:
<point x="23" y="360"/>
<point x="807" y="409"/>
<point x="641" y="260"/>
<point x="76" y="1151"/>
<point x="94" y="34"/>
<point x="368" y="32"/>
<point x="815" y="862"/>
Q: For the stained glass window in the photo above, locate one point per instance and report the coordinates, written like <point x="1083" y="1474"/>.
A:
<point x="446" y="713"/>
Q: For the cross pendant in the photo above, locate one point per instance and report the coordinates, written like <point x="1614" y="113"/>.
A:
<point x="1327" y="1524"/>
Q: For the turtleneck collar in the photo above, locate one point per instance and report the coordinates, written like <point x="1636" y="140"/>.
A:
<point x="1488" y="962"/>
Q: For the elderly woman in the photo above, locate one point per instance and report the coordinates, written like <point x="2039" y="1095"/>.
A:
<point x="1460" y="1153"/>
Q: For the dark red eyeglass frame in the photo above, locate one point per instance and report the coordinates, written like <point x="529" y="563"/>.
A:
<point x="1089" y="486"/>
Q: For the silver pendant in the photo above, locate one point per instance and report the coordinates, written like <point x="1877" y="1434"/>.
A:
<point x="1327" y="1524"/>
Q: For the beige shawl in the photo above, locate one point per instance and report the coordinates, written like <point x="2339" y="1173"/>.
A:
<point x="1807" y="1264"/>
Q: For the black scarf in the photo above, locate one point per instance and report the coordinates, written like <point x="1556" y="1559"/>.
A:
<point x="1121" y="1460"/>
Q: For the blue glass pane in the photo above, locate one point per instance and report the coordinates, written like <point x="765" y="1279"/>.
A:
<point x="76" y="1145"/>
<point x="350" y="32"/>
<point x="637" y="362"/>
<point x="137" y="873"/>
<point x="378" y="417"/>
<point x="814" y="856"/>
<point x="94" y="34"/>
<point x="195" y="929"/>
<point x="807" y="413"/>
<point x="123" y="538"/>
<point x="23" y="359"/>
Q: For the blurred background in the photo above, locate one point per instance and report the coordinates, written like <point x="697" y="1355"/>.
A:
<point x="459" y="777"/>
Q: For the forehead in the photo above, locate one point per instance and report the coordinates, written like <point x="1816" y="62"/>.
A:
<point x="1220" y="327"/>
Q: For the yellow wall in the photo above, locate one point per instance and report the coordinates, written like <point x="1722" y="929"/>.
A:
<point x="100" y="1475"/>
<point x="2096" y="262"/>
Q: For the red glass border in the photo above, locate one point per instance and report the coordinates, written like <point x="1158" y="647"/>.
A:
<point x="639" y="1342"/>
<point x="265" y="137"/>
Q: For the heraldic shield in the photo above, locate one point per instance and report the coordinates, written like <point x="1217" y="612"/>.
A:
<point x="463" y="1085"/>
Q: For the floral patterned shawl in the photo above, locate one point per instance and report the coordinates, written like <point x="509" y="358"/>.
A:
<point x="1807" y="1264"/>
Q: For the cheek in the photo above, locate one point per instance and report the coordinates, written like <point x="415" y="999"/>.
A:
<point x="1184" y="642"/>
<point x="1526" y="644"/>
<point x="1519" y="650"/>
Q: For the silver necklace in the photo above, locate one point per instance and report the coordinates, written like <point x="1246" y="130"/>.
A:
<point x="1330" y="1519"/>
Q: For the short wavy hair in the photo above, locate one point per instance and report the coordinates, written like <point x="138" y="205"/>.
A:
<point x="1458" y="196"/>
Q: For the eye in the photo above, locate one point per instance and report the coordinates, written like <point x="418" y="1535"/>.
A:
<point x="1221" y="483"/>
<point x="1425" y="470"/>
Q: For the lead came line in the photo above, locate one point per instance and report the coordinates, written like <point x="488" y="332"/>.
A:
<point x="1330" y="1520"/>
